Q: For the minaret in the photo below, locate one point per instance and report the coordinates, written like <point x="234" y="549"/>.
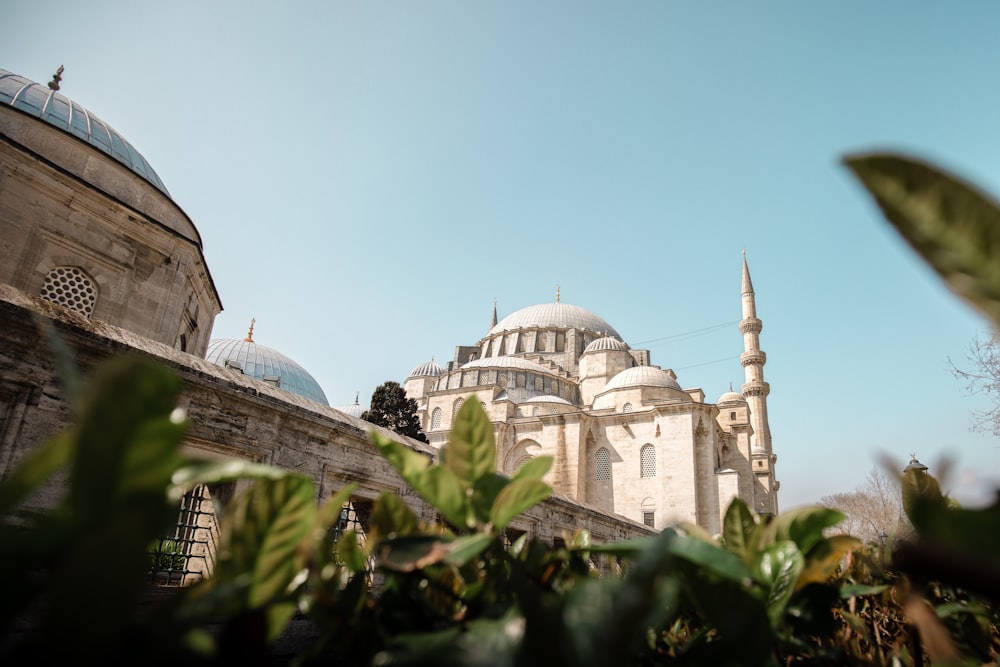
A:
<point x="755" y="390"/>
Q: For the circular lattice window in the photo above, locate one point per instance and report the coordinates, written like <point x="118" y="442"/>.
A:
<point x="69" y="286"/>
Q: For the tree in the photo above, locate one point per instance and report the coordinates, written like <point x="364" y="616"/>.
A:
<point x="873" y="511"/>
<point x="392" y="409"/>
<point x="983" y="378"/>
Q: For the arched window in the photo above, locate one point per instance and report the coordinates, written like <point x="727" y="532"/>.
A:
<point x="456" y="406"/>
<point x="69" y="286"/>
<point x="436" y="419"/>
<point x="602" y="464"/>
<point x="627" y="408"/>
<point x="647" y="459"/>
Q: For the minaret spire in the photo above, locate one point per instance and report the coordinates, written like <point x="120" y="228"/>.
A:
<point x="493" y="320"/>
<point x="756" y="391"/>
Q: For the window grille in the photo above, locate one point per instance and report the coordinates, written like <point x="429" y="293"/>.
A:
<point x="355" y="515"/>
<point x="436" y="419"/>
<point x="187" y="555"/>
<point x="456" y="407"/>
<point x="70" y="287"/>
<point x="647" y="518"/>
<point x="627" y="408"/>
<point x="602" y="468"/>
<point x="647" y="456"/>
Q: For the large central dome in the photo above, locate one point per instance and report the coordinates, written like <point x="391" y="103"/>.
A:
<point x="555" y="315"/>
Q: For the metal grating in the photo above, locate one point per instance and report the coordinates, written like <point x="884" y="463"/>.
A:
<point x="602" y="466"/>
<point x="188" y="554"/>
<point x="647" y="456"/>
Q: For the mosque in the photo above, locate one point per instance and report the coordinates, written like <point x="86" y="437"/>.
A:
<point x="559" y="380"/>
<point x="91" y="239"/>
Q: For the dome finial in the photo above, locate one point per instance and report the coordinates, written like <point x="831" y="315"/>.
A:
<point x="357" y="394"/>
<point x="249" y="338"/>
<point x="557" y="293"/>
<point x="493" y="318"/>
<point x="56" y="78"/>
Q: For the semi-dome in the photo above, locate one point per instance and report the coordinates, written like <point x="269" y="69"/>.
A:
<point x="642" y="376"/>
<point x="731" y="397"/>
<point x="507" y="362"/>
<point x="548" y="398"/>
<point x="606" y="344"/>
<point x="265" y="364"/>
<point x="61" y="112"/>
<point x="428" y="369"/>
<point x="554" y="315"/>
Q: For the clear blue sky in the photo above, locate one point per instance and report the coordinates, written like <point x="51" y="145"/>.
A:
<point x="369" y="176"/>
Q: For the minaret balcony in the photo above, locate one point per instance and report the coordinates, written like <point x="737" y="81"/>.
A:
<point x="753" y="358"/>
<point x="751" y="325"/>
<point x="756" y="388"/>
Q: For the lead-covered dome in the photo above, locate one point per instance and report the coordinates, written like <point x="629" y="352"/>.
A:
<point x="606" y="344"/>
<point x="265" y="364"/>
<point x="555" y="315"/>
<point x="428" y="369"/>
<point x="731" y="397"/>
<point x="642" y="376"/>
<point x="59" y="111"/>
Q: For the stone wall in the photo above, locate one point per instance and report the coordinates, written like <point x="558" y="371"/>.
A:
<point x="231" y="416"/>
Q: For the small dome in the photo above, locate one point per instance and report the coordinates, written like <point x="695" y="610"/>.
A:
<point x="548" y="398"/>
<point x="59" y="111"/>
<point x="554" y="315"/>
<point x="606" y="344"/>
<point x="731" y="397"/>
<point x="354" y="410"/>
<point x="428" y="369"/>
<point x="642" y="376"/>
<point x="265" y="364"/>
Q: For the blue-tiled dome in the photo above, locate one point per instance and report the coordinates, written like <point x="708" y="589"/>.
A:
<point x="265" y="364"/>
<point x="59" y="111"/>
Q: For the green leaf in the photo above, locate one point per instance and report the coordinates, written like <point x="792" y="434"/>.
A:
<point x="349" y="552"/>
<point x="192" y="472"/>
<point x="36" y="467"/>
<point x="463" y="549"/>
<point x="847" y="592"/>
<point x="516" y="498"/>
<point x="778" y="567"/>
<point x="126" y="395"/>
<point x="413" y="552"/>
<point x="485" y="492"/>
<point x="391" y="517"/>
<point x="436" y="484"/>
<point x="737" y="526"/>
<point x="823" y="560"/>
<point x="804" y="525"/>
<point x="471" y="451"/>
<point x="953" y="225"/>
<point x="261" y="535"/>
<point x="710" y="558"/>
<point x="534" y="468"/>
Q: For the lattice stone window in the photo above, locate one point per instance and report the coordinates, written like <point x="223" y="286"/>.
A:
<point x="502" y="379"/>
<point x="456" y="407"/>
<point x="602" y="464"/>
<point x="69" y="286"/>
<point x="627" y="408"/>
<point x="484" y="377"/>
<point x="519" y="379"/>
<point x="436" y="419"/>
<point x="647" y="456"/>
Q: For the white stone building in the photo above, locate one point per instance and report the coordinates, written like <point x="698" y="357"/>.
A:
<point x="558" y="380"/>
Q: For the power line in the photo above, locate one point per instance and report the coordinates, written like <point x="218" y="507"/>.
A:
<point x="688" y="334"/>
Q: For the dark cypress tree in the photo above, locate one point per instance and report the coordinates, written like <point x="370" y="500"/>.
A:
<point x="392" y="409"/>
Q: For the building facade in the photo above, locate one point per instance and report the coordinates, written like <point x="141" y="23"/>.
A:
<point x="558" y="380"/>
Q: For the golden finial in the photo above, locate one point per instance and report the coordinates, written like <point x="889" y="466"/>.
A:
<point x="249" y="338"/>
<point x="557" y="293"/>
<point x="56" y="78"/>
